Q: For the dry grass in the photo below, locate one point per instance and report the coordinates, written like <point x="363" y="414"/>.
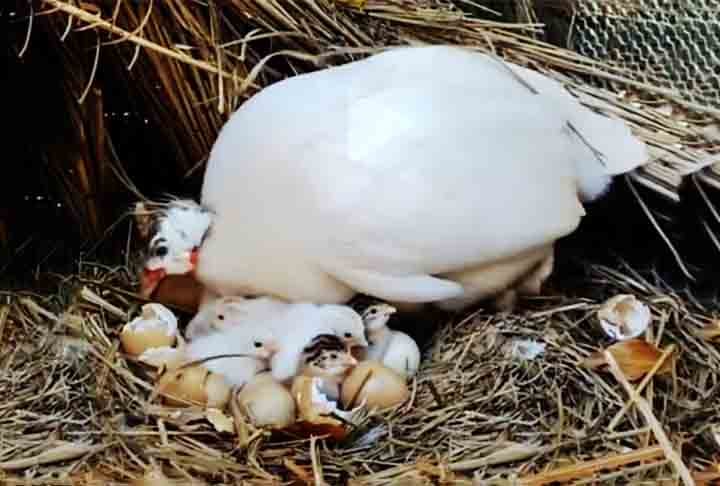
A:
<point x="190" y="65"/>
<point x="78" y="409"/>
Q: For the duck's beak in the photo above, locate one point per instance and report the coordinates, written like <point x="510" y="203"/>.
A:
<point x="194" y="258"/>
<point x="149" y="281"/>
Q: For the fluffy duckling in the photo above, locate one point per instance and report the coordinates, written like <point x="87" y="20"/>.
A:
<point x="393" y="348"/>
<point x="245" y="350"/>
<point x="301" y="323"/>
<point x="327" y="358"/>
<point x="226" y="312"/>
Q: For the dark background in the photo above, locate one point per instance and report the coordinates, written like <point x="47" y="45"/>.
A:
<point x="38" y="233"/>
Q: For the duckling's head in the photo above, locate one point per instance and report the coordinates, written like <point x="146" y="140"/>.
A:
<point x="259" y="343"/>
<point x="327" y="356"/>
<point x="347" y="325"/>
<point x="377" y="316"/>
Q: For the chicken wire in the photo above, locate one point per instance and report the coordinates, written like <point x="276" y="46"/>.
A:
<point x="670" y="44"/>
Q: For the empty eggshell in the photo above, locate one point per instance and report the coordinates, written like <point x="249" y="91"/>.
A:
<point x="196" y="384"/>
<point x="374" y="384"/>
<point x="624" y="317"/>
<point x="155" y="327"/>
<point x="266" y="403"/>
<point x="313" y="405"/>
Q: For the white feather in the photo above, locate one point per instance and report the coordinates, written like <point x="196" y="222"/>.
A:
<point x="397" y="171"/>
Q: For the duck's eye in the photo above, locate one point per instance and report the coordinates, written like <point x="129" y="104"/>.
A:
<point x="348" y="335"/>
<point x="221" y="317"/>
<point x="257" y="344"/>
<point x="333" y="356"/>
<point x="161" y="251"/>
<point x="373" y="312"/>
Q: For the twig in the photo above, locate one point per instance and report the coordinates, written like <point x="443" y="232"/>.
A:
<point x="646" y="379"/>
<point x="587" y="468"/>
<point x="652" y="421"/>
<point x="96" y="21"/>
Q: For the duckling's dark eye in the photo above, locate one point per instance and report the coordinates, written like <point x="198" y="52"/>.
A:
<point x="161" y="251"/>
<point x="221" y="317"/>
<point x="348" y="335"/>
<point x="373" y="312"/>
<point x="333" y="356"/>
<point x="257" y="344"/>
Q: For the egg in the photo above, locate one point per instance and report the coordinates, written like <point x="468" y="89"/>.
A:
<point x="624" y="317"/>
<point x="266" y="403"/>
<point x="196" y="384"/>
<point x="155" y="327"/>
<point x="164" y="356"/>
<point x="374" y="384"/>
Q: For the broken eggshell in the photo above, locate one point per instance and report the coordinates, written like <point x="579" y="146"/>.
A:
<point x="375" y="385"/>
<point x="155" y="327"/>
<point x="163" y="356"/>
<point x="316" y="414"/>
<point x="194" y="384"/>
<point x="624" y="317"/>
<point x="266" y="403"/>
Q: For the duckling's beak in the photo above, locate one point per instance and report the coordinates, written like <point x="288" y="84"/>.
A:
<point x="351" y="360"/>
<point x="149" y="281"/>
<point x="272" y="348"/>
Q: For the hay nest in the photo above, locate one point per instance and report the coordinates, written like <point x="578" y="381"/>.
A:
<point x="79" y="411"/>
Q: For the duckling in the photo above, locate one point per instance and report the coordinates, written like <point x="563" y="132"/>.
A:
<point x="326" y="358"/>
<point x="392" y="348"/>
<point x="242" y="352"/>
<point x="301" y="323"/>
<point x="225" y="312"/>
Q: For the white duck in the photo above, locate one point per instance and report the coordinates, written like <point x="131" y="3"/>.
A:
<point x="417" y="175"/>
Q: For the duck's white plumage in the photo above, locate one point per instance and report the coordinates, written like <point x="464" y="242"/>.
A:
<point x="382" y="175"/>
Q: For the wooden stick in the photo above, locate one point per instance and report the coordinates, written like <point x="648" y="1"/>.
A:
<point x="652" y="421"/>
<point x="588" y="468"/>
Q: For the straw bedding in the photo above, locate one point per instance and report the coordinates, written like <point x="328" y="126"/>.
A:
<point x="77" y="410"/>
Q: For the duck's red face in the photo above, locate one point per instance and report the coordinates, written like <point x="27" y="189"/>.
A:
<point x="156" y="270"/>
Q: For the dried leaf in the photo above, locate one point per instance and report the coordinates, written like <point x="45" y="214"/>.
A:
<point x="635" y="357"/>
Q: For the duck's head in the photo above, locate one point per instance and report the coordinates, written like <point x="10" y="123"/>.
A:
<point x="176" y="230"/>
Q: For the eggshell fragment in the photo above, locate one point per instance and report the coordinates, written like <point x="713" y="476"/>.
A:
<point x="195" y="384"/>
<point x="163" y="356"/>
<point x="375" y="385"/>
<point x="155" y="327"/>
<point x="635" y="358"/>
<point x="312" y="404"/>
<point x="266" y="403"/>
<point x="624" y="317"/>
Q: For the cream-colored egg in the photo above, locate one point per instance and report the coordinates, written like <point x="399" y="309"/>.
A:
<point x="624" y="317"/>
<point x="374" y="384"/>
<point x="196" y="384"/>
<point x="155" y="327"/>
<point x="164" y="356"/>
<point x="266" y="403"/>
